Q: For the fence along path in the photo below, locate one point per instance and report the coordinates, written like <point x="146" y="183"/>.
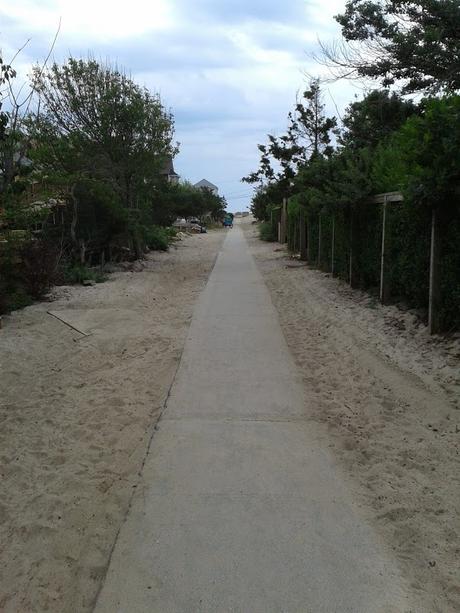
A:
<point x="298" y="240"/>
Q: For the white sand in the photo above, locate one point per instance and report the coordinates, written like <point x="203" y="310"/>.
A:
<point x="388" y="398"/>
<point x="76" y="416"/>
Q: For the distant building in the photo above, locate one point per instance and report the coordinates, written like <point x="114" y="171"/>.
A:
<point x="204" y="184"/>
<point x="169" y="173"/>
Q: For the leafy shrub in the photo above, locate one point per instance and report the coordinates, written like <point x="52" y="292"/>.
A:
<point x="171" y="233"/>
<point x="267" y="232"/>
<point x="37" y="267"/>
<point x="79" y="273"/>
<point x="17" y="299"/>
<point x="157" y="238"/>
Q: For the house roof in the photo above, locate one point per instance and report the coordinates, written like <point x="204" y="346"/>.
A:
<point x="168" y="168"/>
<point x="205" y="183"/>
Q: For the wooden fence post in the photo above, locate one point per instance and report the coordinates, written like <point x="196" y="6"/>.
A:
<point x="302" y="235"/>
<point x="333" y="245"/>
<point x="384" y="283"/>
<point x="283" y="224"/>
<point x="350" y="263"/>
<point x="309" y="249"/>
<point x="319" y="240"/>
<point x="296" y="234"/>
<point x="435" y="277"/>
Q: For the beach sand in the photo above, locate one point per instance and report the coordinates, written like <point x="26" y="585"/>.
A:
<point x="77" y="411"/>
<point x="387" y="396"/>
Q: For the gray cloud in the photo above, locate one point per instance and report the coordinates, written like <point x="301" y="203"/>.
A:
<point x="228" y="70"/>
<point x="238" y="11"/>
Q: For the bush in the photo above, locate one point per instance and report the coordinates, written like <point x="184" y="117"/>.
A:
<point x="38" y="266"/>
<point x="157" y="238"/>
<point x="78" y="273"/>
<point x="267" y="232"/>
<point x="17" y="299"/>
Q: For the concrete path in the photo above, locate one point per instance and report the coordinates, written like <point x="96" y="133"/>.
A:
<point x="240" y="509"/>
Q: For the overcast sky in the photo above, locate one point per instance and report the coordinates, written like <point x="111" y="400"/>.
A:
<point x="229" y="70"/>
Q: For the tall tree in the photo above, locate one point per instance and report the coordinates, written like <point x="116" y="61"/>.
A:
<point x="121" y="129"/>
<point x="414" y="42"/>
<point x="370" y="121"/>
<point x="308" y="135"/>
<point x="7" y="74"/>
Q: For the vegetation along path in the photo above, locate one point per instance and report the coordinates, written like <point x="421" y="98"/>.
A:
<point x="240" y="507"/>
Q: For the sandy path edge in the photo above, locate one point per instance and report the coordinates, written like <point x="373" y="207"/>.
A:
<point x="386" y="399"/>
<point x="77" y="414"/>
<point x="149" y="441"/>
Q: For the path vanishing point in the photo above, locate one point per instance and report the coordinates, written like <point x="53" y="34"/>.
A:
<point x="240" y="509"/>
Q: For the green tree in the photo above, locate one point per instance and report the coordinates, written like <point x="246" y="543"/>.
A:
<point x="7" y="134"/>
<point x="370" y="121"/>
<point x="309" y="130"/>
<point x="308" y="138"/>
<point x="430" y="149"/>
<point x="308" y="135"/>
<point x="265" y="198"/>
<point x="121" y="129"/>
<point x="414" y="42"/>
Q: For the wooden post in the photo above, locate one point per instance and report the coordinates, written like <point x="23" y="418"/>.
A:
<point x="333" y="245"/>
<point x="283" y="224"/>
<point x="295" y="239"/>
<point x="351" y="277"/>
<point x="309" y="250"/>
<point x="435" y="277"/>
<point x="384" y="284"/>
<point x="302" y="235"/>
<point x="319" y="240"/>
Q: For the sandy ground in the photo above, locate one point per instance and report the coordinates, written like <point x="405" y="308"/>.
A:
<point x="387" y="396"/>
<point x="76" y="416"/>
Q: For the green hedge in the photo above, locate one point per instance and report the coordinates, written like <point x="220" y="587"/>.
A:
<point x="408" y="236"/>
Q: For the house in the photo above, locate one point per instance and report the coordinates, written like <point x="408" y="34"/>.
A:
<point x="204" y="184"/>
<point x="169" y="173"/>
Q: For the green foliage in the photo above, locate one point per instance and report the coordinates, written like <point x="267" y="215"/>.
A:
<point x="267" y="232"/>
<point x="371" y="121"/>
<point x="430" y="149"/>
<point x="28" y="269"/>
<point x="16" y="299"/>
<point x="98" y="146"/>
<point x="422" y="159"/>
<point x="77" y="273"/>
<point x="156" y="238"/>
<point x="408" y="253"/>
<point x="265" y="199"/>
<point x="450" y="275"/>
<point x="184" y="200"/>
<point x="113" y="126"/>
<point x="415" y="42"/>
<point x="308" y="136"/>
